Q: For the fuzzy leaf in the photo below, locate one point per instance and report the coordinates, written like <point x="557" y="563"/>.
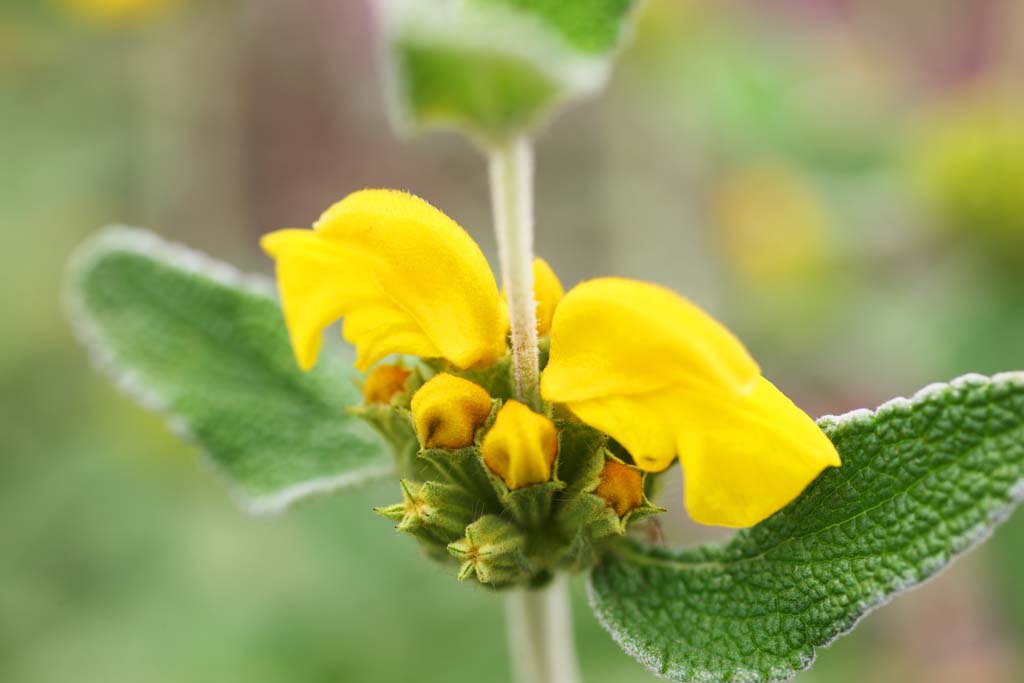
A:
<point x="496" y="68"/>
<point x="922" y="481"/>
<point x="590" y="26"/>
<point x="200" y="342"/>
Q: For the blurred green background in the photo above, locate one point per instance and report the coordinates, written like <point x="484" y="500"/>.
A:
<point x="841" y="181"/>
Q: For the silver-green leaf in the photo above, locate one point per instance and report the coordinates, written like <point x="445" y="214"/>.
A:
<point x="496" y="68"/>
<point x="206" y="345"/>
<point x="922" y="481"/>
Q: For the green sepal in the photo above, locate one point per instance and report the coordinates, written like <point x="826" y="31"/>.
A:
<point x="530" y="506"/>
<point x="586" y="518"/>
<point x="579" y="460"/>
<point x="645" y="511"/>
<point x="496" y="379"/>
<point x="396" y="512"/>
<point x="394" y="424"/>
<point x="463" y="468"/>
<point x="589" y="516"/>
<point x="493" y="551"/>
<point x="581" y="457"/>
<point x="437" y="514"/>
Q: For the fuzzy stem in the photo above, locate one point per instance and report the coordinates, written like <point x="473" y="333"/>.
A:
<point x="540" y="634"/>
<point x="511" y="172"/>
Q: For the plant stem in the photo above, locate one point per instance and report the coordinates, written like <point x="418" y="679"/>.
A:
<point x="511" y="172"/>
<point x="540" y="634"/>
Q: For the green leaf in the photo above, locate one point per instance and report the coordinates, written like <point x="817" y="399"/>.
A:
<point x="590" y="26"/>
<point x="496" y="68"/>
<point x="922" y="481"/>
<point x="207" y="346"/>
<point x="472" y="88"/>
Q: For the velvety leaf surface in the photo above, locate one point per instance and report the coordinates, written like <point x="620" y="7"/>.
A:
<point x="591" y="26"/>
<point x="495" y="68"/>
<point x="922" y="481"/>
<point x="197" y="340"/>
<point x="464" y="87"/>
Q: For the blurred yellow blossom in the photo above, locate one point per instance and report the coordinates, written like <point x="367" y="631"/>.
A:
<point x="770" y="222"/>
<point x="117" y="11"/>
<point x="968" y="165"/>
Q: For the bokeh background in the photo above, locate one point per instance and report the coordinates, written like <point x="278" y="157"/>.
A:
<point x="841" y="181"/>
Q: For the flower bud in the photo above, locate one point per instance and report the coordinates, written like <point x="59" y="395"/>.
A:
<point x="448" y="410"/>
<point x="521" y="446"/>
<point x="621" y="486"/>
<point x="435" y="513"/>
<point x="383" y="383"/>
<point x="493" y="550"/>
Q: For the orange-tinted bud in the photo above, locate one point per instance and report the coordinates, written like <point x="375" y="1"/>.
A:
<point x="383" y="383"/>
<point x="621" y="486"/>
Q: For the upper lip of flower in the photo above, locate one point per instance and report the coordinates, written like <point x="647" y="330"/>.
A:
<point x="613" y="336"/>
<point x="406" y="278"/>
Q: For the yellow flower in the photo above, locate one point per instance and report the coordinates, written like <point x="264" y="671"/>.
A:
<point x="633" y="360"/>
<point x="117" y="11"/>
<point x="448" y="410"/>
<point x="406" y="278"/>
<point x="771" y="223"/>
<point x="663" y="378"/>
<point x="521" y="446"/>
<point x="968" y="165"/>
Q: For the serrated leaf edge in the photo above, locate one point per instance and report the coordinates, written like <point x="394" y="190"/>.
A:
<point x="116" y="238"/>
<point x="964" y="543"/>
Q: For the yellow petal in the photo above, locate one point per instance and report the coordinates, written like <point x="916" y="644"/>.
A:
<point x="645" y="424"/>
<point x="406" y="277"/>
<point x="547" y="290"/>
<point x="448" y="410"/>
<point x="319" y="282"/>
<point x="521" y="446"/>
<point x="658" y="375"/>
<point x="616" y="337"/>
<point x="745" y="460"/>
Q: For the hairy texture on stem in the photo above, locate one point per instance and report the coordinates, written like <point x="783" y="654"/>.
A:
<point x="511" y="173"/>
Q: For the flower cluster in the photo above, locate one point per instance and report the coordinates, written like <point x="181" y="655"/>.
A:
<point x="633" y="377"/>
